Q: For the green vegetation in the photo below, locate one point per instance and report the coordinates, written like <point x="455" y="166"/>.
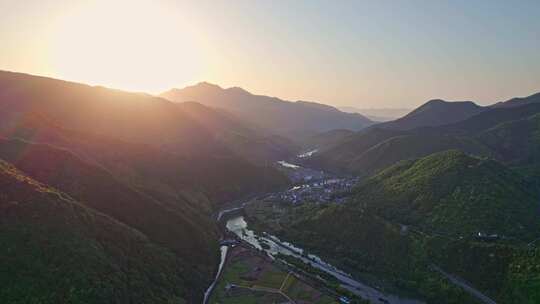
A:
<point x="187" y="232"/>
<point x="508" y="134"/>
<point x="453" y="194"/>
<point x="372" y="249"/>
<point x="56" y="250"/>
<point x="420" y="213"/>
<point x="252" y="278"/>
<point x="517" y="141"/>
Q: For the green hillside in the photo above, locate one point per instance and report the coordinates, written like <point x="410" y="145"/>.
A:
<point x="420" y="213"/>
<point x="493" y="132"/>
<point x="404" y="147"/>
<point x="517" y="141"/>
<point x="187" y="231"/>
<point x="452" y="193"/>
<point x="56" y="250"/>
<point x="153" y="166"/>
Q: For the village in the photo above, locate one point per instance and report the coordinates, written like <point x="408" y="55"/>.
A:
<point x="323" y="191"/>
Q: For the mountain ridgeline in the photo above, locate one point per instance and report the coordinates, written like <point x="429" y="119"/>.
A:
<point x="291" y="119"/>
<point x="155" y="169"/>
<point x="473" y="217"/>
<point x="434" y="113"/>
<point x="111" y="196"/>
<point x="486" y="131"/>
<point x="449" y="188"/>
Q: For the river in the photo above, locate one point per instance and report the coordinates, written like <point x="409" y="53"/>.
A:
<point x="223" y="250"/>
<point x="273" y="246"/>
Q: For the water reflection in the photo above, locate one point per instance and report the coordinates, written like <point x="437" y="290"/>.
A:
<point x="273" y="245"/>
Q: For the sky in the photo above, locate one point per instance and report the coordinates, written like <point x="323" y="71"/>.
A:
<point x="367" y="54"/>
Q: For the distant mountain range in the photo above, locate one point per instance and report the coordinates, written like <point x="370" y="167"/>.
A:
<point x="155" y="169"/>
<point x="291" y="119"/>
<point x="434" y="113"/>
<point x="111" y="196"/>
<point x="378" y="115"/>
<point x="434" y="127"/>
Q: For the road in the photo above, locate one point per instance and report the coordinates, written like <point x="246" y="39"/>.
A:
<point x="459" y="282"/>
<point x="223" y="250"/>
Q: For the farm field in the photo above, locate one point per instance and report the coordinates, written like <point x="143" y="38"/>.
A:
<point x="249" y="277"/>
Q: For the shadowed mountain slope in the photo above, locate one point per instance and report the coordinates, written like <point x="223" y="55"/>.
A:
<point x="157" y="167"/>
<point x="518" y="101"/>
<point x="138" y="137"/>
<point x="101" y="191"/>
<point x="243" y="139"/>
<point x="186" y="129"/>
<point x="434" y="113"/>
<point x="278" y="116"/>
<point x="373" y="149"/>
<point x="56" y="250"/>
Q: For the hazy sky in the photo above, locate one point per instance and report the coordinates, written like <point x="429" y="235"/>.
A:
<point x="360" y="53"/>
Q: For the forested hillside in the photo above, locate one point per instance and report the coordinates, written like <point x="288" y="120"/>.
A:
<point x="473" y="217"/>
<point x="57" y="250"/>
<point x="489" y="133"/>
<point x="157" y="168"/>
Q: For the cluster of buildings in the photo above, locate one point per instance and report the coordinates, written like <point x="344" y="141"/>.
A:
<point x="322" y="191"/>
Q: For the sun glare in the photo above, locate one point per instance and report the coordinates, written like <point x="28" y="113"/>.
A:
<point x="132" y="45"/>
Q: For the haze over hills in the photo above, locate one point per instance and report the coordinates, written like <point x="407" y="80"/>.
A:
<point x="185" y="129"/>
<point x="400" y="163"/>
<point x="434" y="113"/>
<point x="377" y="147"/>
<point x="248" y="141"/>
<point x="378" y="115"/>
<point x="518" y="101"/>
<point x="173" y="143"/>
<point x="432" y="184"/>
<point x="156" y="167"/>
<point x="290" y="119"/>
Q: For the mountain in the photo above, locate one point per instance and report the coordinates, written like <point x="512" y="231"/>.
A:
<point x="155" y="167"/>
<point x="245" y="140"/>
<point x="338" y="155"/>
<point x="185" y="230"/>
<point x="285" y="118"/>
<point x="57" y="250"/>
<point x="373" y="149"/>
<point x="186" y="129"/>
<point x="141" y="136"/>
<point x="378" y="115"/>
<point x="434" y="113"/>
<point x="517" y="141"/>
<point x="518" y="101"/>
<point x="453" y="193"/>
<point x="419" y="213"/>
<point x="389" y="152"/>
<point x="325" y="139"/>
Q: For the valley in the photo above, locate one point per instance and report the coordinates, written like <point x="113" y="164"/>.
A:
<point x="337" y="285"/>
<point x="274" y="225"/>
<point x="412" y="211"/>
<point x="269" y="152"/>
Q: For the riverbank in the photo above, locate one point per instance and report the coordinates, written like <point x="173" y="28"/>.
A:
<point x="272" y="246"/>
